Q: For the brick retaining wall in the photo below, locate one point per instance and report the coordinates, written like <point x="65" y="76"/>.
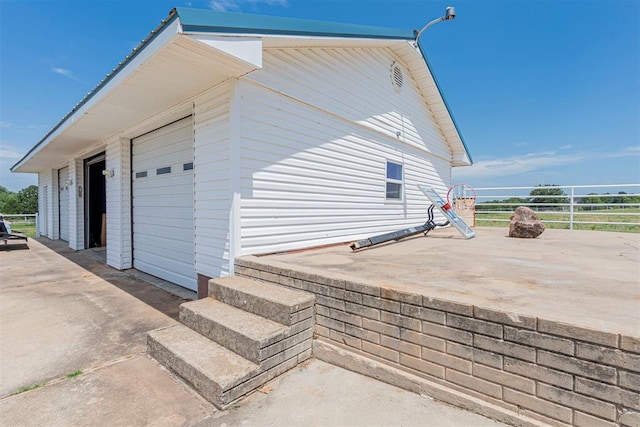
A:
<point x="552" y="372"/>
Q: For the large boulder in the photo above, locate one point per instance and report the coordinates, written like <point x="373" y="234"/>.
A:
<point x="525" y="223"/>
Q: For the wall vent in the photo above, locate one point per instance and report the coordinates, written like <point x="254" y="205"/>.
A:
<point x="397" y="76"/>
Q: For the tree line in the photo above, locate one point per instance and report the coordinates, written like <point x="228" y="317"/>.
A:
<point x="550" y="197"/>
<point x="24" y="201"/>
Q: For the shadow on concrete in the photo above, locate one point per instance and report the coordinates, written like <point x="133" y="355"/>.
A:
<point x="13" y="247"/>
<point x="160" y="299"/>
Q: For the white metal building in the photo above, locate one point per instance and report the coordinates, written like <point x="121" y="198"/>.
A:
<point x="224" y="135"/>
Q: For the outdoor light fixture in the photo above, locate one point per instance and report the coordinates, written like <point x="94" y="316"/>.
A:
<point x="68" y="182"/>
<point x="449" y="14"/>
<point x="108" y="173"/>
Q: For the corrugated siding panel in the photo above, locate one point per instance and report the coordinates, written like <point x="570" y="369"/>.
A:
<point x="44" y="201"/>
<point x="212" y="202"/>
<point x="76" y="208"/>
<point x="356" y="85"/>
<point x="64" y="192"/>
<point x="310" y="178"/>
<point x="54" y="213"/>
<point x="118" y="158"/>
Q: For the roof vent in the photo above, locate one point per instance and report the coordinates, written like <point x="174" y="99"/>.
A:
<point x="397" y="76"/>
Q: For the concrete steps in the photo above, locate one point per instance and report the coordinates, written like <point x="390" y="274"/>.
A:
<point x="241" y="332"/>
<point x="242" y="336"/>
<point x="282" y="305"/>
<point x="209" y="368"/>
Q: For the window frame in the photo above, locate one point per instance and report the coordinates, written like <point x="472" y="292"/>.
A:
<point x="388" y="180"/>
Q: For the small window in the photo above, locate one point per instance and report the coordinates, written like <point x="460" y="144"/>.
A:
<point x="394" y="181"/>
<point x="187" y="166"/>
<point x="162" y="171"/>
<point x="141" y="174"/>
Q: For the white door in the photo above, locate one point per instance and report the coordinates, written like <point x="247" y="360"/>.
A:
<point x="163" y="203"/>
<point x="63" y="193"/>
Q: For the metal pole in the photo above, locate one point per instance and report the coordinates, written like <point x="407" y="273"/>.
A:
<point x="571" y="209"/>
<point x="37" y="224"/>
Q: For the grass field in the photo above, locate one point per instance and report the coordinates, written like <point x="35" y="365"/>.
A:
<point x="501" y="219"/>
<point x="27" y="228"/>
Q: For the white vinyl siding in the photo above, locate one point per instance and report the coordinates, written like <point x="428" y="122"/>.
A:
<point x="118" y="194"/>
<point x="212" y="201"/>
<point x="63" y="191"/>
<point x="76" y="205"/>
<point x="356" y="85"/>
<point x="163" y="204"/>
<point x="44" y="202"/>
<point x="54" y="197"/>
<point x="310" y="178"/>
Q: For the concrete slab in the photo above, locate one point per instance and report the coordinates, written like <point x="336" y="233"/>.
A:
<point x="585" y="278"/>
<point x="320" y="394"/>
<point x="63" y="311"/>
<point x="130" y="392"/>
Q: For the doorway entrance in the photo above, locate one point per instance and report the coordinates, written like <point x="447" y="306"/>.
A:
<point x="95" y="205"/>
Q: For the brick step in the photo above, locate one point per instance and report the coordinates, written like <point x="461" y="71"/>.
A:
<point x="277" y="303"/>
<point x="244" y="333"/>
<point x="217" y="373"/>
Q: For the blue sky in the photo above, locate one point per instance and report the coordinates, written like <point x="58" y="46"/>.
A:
<point x="542" y="91"/>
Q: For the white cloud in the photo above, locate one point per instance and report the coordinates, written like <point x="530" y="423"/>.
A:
<point x="9" y="154"/>
<point x="61" y="71"/>
<point x="236" y="5"/>
<point x="5" y="124"/>
<point x="565" y="147"/>
<point x="517" y="165"/>
<point x="67" y="73"/>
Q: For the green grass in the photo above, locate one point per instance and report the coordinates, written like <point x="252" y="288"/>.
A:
<point x="21" y="227"/>
<point x="28" y="388"/>
<point x="609" y="215"/>
<point x="75" y="373"/>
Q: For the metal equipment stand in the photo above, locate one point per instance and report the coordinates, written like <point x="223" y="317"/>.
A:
<point x="400" y="234"/>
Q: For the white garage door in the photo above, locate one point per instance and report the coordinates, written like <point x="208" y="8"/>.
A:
<point x="163" y="203"/>
<point x="63" y="188"/>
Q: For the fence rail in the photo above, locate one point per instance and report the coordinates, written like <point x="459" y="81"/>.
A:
<point x="591" y="207"/>
<point x="27" y="219"/>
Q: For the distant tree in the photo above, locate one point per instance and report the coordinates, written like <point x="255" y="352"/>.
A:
<point x="28" y="199"/>
<point x="591" y="199"/>
<point x="540" y="196"/>
<point x="24" y="201"/>
<point x="9" y="203"/>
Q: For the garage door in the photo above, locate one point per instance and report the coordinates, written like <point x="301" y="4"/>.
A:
<point x="163" y="203"/>
<point x="63" y="188"/>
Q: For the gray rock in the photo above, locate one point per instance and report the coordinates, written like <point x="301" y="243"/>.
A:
<point x="525" y="223"/>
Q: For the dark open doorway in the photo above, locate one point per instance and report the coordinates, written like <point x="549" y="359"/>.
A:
<point x="95" y="207"/>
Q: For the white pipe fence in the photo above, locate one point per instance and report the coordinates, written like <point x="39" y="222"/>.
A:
<point x="577" y="205"/>
<point x="17" y="219"/>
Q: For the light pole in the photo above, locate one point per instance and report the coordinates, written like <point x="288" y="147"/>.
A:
<point x="449" y="14"/>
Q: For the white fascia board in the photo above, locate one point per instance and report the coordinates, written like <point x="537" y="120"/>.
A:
<point x="147" y="51"/>
<point x="245" y="49"/>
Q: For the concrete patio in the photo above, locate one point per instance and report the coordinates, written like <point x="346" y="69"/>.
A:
<point x="585" y="278"/>
<point x="63" y="311"/>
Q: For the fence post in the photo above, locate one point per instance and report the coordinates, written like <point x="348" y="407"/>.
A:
<point x="37" y="224"/>
<point x="571" y="209"/>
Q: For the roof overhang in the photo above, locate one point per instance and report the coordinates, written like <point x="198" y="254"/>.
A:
<point x="171" y="68"/>
<point x="190" y="52"/>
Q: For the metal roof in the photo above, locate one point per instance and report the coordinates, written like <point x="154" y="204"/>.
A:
<point x="197" y="20"/>
<point x="208" y="21"/>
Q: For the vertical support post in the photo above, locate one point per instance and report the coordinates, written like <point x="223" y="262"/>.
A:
<point x="571" y="201"/>
<point x="235" y="216"/>
<point x="37" y="225"/>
